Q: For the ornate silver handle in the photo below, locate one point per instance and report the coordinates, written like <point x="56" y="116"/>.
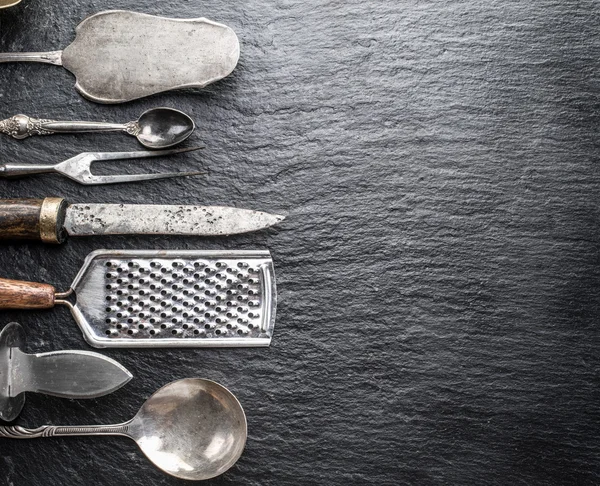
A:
<point x="23" y="126"/>
<point x="18" y="432"/>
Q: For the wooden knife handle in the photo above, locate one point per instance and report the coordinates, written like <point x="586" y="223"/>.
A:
<point x="15" y="294"/>
<point x="33" y="219"/>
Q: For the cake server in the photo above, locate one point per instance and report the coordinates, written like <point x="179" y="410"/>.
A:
<point x="52" y="219"/>
<point x="120" y="56"/>
<point x="163" y="298"/>
<point x="68" y="374"/>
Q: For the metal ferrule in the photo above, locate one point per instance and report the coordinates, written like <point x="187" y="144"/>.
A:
<point x="51" y="218"/>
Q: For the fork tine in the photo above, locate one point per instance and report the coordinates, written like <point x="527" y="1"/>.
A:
<point x="96" y="156"/>
<point x="78" y="168"/>
<point x="93" y="180"/>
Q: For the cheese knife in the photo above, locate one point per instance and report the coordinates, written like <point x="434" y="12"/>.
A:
<point x="68" y="374"/>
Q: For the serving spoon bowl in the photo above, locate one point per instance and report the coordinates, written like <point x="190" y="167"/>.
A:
<point x="191" y="429"/>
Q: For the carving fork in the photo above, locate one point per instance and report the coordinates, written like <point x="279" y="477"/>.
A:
<point x="78" y="168"/>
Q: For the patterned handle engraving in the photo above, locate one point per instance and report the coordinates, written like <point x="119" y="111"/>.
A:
<point x="133" y="128"/>
<point x="23" y="126"/>
<point x="18" y="432"/>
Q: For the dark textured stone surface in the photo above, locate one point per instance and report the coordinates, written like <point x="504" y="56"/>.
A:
<point x="439" y="270"/>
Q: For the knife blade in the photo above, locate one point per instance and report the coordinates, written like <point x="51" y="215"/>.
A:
<point x="148" y="219"/>
<point x="52" y="219"/>
<point x="68" y="374"/>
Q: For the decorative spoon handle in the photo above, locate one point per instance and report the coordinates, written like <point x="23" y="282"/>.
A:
<point x="23" y="126"/>
<point x="52" y="57"/>
<point x="18" y="432"/>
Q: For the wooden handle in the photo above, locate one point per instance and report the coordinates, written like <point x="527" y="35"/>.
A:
<point x="33" y="219"/>
<point x="15" y="294"/>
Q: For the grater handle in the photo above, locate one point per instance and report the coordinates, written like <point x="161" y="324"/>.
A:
<point x="33" y="219"/>
<point x="15" y="294"/>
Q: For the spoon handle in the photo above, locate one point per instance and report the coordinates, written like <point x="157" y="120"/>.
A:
<point x="18" y="432"/>
<point x="52" y="57"/>
<point x="23" y="126"/>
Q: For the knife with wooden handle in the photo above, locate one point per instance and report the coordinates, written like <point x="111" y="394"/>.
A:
<point x="52" y="219"/>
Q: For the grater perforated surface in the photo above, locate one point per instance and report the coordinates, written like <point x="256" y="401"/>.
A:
<point x="176" y="298"/>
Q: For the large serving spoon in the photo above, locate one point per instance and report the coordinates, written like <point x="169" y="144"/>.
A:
<point x="192" y="429"/>
<point x="156" y="128"/>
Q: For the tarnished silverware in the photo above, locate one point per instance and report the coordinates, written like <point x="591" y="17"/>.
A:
<point x="120" y="56"/>
<point x="52" y="219"/>
<point x="157" y="128"/>
<point x="78" y="168"/>
<point x="191" y="429"/>
<point x="69" y="374"/>
<point x="163" y="298"/>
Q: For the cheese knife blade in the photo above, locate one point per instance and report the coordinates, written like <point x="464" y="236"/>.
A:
<point x="68" y="374"/>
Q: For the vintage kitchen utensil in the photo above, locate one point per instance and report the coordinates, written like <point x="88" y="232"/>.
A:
<point x="78" y="168"/>
<point x="52" y="219"/>
<point x="192" y="429"/>
<point x="120" y="56"/>
<point x="168" y="298"/>
<point x="8" y="3"/>
<point x="69" y="374"/>
<point x="157" y="128"/>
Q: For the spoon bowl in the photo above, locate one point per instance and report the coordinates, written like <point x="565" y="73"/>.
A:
<point x="192" y="429"/>
<point x="164" y="127"/>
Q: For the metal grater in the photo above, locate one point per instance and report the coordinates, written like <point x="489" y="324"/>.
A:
<point x="173" y="298"/>
<point x="176" y="298"/>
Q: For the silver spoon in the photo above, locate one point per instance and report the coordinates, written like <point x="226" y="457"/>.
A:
<point x="192" y="429"/>
<point x="156" y="128"/>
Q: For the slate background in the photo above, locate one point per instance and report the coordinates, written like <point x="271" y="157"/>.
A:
<point x="438" y="272"/>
